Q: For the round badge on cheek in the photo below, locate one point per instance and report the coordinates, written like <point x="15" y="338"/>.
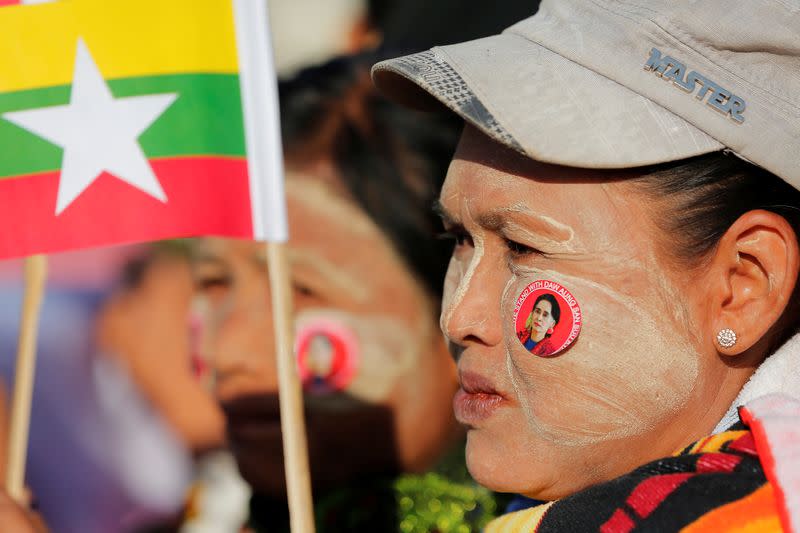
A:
<point x="327" y="356"/>
<point x="547" y="318"/>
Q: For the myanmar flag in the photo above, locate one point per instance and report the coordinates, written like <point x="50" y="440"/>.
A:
<point x="131" y="120"/>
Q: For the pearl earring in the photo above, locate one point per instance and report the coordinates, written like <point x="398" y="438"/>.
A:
<point x="726" y="337"/>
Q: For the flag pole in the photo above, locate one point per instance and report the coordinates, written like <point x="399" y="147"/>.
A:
<point x="258" y="82"/>
<point x="295" y="448"/>
<point x="35" y="275"/>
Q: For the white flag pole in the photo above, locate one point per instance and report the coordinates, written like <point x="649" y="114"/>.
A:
<point x="35" y="275"/>
<point x="258" y="83"/>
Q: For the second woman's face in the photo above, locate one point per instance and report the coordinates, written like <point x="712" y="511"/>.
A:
<point x="393" y="411"/>
<point x="633" y="386"/>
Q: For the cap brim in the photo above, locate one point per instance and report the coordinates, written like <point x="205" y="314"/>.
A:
<point x="542" y="104"/>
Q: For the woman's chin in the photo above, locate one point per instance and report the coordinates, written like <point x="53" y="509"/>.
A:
<point x="504" y="484"/>
<point x="494" y="464"/>
<point x="490" y="465"/>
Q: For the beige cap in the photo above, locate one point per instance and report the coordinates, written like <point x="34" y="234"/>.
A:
<point x="616" y="84"/>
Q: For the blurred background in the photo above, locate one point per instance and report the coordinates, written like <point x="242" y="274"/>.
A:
<point x="155" y="402"/>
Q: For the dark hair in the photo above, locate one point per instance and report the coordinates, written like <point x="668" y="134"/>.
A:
<point x="392" y="161"/>
<point x="705" y="195"/>
<point x="555" y="309"/>
<point x="414" y="25"/>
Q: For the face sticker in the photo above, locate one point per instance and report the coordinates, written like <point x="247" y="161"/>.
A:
<point x="327" y="356"/>
<point x="547" y="318"/>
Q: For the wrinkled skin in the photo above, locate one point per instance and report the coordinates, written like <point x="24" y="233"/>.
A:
<point x="395" y="414"/>
<point x="636" y="385"/>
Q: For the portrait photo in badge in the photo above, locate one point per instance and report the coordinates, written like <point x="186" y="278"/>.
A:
<point x="540" y="325"/>
<point x="545" y="322"/>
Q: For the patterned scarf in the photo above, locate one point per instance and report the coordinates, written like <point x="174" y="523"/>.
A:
<point x="716" y="484"/>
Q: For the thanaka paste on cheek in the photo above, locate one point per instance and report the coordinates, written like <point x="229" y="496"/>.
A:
<point x="624" y="375"/>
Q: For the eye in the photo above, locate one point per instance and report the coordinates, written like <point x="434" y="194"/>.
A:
<point x="305" y="294"/>
<point x="459" y="235"/>
<point x="214" y="288"/>
<point x="212" y="283"/>
<point x="302" y="290"/>
<point x="519" y="249"/>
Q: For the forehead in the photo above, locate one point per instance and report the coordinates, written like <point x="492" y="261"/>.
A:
<point x="487" y="180"/>
<point x="324" y="223"/>
<point x="335" y="248"/>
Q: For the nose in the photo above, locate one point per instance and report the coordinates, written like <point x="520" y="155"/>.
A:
<point x="472" y="311"/>
<point x="240" y="349"/>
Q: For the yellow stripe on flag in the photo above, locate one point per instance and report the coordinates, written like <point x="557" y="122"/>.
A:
<point x="127" y="38"/>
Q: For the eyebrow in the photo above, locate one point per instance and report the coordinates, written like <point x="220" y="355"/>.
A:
<point x="499" y="219"/>
<point x="208" y="258"/>
<point x="306" y="260"/>
<point x="493" y="221"/>
<point x="444" y="214"/>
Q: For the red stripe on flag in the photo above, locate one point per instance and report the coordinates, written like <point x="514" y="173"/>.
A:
<point x="9" y="2"/>
<point x="205" y="196"/>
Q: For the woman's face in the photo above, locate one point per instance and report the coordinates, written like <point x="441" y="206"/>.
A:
<point x="638" y="382"/>
<point x="542" y="319"/>
<point x="345" y="275"/>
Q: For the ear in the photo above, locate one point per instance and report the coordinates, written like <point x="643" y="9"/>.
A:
<point x="754" y="270"/>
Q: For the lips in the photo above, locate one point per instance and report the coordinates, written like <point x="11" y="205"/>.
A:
<point x="477" y="399"/>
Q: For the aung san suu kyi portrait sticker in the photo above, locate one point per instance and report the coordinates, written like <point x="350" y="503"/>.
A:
<point x="547" y="318"/>
<point x="327" y="356"/>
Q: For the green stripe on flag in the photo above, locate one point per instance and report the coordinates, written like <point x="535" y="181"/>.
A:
<point x="206" y="119"/>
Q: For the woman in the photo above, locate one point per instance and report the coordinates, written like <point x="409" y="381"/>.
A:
<point x="366" y="273"/>
<point x="540" y="324"/>
<point x="583" y="170"/>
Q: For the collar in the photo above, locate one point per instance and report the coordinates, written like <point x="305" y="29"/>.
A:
<point x="777" y="374"/>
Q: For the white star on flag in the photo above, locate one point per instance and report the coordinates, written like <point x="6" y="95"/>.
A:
<point x="99" y="133"/>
